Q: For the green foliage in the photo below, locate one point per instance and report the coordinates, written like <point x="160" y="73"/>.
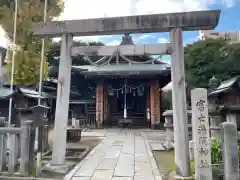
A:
<point x="216" y="152"/>
<point x="54" y="51"/>
<point x="26" y="69"/>
<point x="203" y="59"/>
<point x="27" y="60"/>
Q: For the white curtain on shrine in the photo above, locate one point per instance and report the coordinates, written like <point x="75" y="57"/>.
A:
<point x="167" y="88"/>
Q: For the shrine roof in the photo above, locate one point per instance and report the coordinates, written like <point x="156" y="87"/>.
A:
<point x="31" y="93"/>
<point x="225" y="86"/>
<point x="123" y="69"/>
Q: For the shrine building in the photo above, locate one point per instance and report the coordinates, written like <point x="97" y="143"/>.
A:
<point x="120" y="87"/>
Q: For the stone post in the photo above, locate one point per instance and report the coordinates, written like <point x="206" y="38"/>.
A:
<point x="179" y="105"/>
<point x="62" y="105"/>
<point x="12" y="159"/>
<point x="168" y="115"/>
<point x="3" y="145"/>
<point x="1" y="68"/>
<point x="200" y="124"/>
<point x="45" y="144"/>
<point x="3" y="53"/>
<point x="191" y="150"/>
<point x="215" y="121"/>
<point x="25" y="147"/>
<point x="231" y="117"/>
<point x="3" y="151"/>
<point x="230" y="151"/>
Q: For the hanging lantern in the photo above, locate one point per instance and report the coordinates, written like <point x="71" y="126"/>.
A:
<point x="110" y="92"/>
<point x="140" y="93"/>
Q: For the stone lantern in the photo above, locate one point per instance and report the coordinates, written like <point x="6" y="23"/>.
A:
<point x="213" y="107"/>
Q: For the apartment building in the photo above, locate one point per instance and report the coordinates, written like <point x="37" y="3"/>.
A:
<point x="232" y="37"/>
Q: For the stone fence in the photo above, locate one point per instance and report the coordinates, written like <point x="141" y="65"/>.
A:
<point x="19" y="148"/>
<point x="215" y="121"/>
<point x="204" y="123"/>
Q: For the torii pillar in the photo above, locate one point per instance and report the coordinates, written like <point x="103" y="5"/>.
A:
<point x="62" y="105"/>
<point x="180" y="122"/>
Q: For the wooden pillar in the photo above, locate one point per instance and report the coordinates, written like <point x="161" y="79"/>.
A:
<point x="158" y="101"/>
<point x="99" y="104"/>
<point x="154" y="103"/>
<point x="106" y="106"/>
<point x="148" y="107"/>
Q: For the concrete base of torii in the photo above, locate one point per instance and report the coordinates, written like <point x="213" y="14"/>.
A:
<point x="173" y="176"/>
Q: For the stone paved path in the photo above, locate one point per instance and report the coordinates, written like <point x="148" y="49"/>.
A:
<point x="122" y="155"/>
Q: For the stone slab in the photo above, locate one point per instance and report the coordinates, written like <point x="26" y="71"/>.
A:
<point x="113" y="152"/>
<point x="123" y="166"/>
<point x="85" y="172"/>
<point x="107" y="164"/>
<point x="129" y="24"/>
<point x="81" y="178"/>
<point x="102" y="175"/>
<point x="141" y="157"/>
<point x="143" y="169"/>
<point x="124" y="170"/>
<point x="157" y="147"/>
<point x="145" y="177"/>
<point x="122" y="178"/>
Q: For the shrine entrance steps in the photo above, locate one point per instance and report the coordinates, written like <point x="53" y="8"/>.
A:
<point x="138" y="119"/>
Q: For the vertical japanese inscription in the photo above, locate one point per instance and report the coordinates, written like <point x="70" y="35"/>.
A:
<point x="200" y="123"/>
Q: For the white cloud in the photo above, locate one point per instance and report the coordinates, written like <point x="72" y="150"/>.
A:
<point x="103" y="8"/>
<point x="230" y="3"/>
<point x="3" y="38"/>
<point x="162" y="40"/>
<point x="145" y="36"/>
<point x="113" y="8"/>
<point x="81" y="9"/>
<point x="113" y="43"/>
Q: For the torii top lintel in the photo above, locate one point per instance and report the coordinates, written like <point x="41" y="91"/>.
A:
<point x="195" y="20"/>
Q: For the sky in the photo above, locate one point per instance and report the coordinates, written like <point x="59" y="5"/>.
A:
<point x="84" y="9"/>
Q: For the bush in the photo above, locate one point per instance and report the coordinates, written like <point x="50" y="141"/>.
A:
<point x="216" y="152"/>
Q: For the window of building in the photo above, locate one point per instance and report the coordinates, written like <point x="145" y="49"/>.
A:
<point x="214" y="34"/>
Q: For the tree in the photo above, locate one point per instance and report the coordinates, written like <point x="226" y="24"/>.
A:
<point x="28" y="58"/>
<point x="54" y="52"/>
<point x="206" y="58"/>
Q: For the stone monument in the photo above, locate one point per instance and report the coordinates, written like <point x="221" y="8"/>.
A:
<point x="200" y="124"/>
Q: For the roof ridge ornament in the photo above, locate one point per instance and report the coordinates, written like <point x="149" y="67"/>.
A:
<point x="127" y="40"/>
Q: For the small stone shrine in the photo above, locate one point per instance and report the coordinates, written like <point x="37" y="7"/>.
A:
<point x="224" y="103"/>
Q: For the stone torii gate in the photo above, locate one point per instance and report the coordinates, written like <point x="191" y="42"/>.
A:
<point x="175" y="23"/>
